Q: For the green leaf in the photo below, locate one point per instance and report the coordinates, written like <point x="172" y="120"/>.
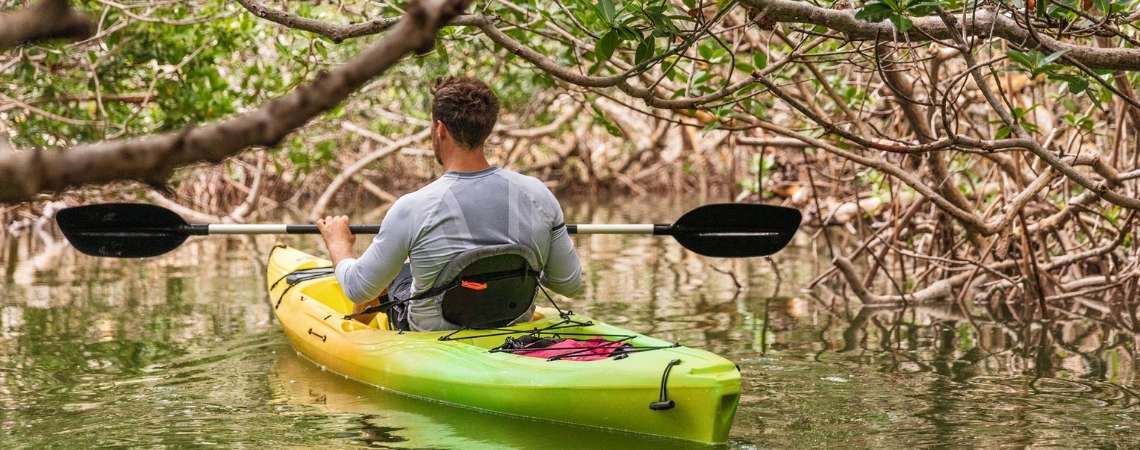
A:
<point x="645" y="50"/>
<point x="760" y="60"/>
<point x="594" y="68"/>
<point x="1030" y="127"/>
<point x="701" y="77"/>
<point x="1048" y="68"/>
<point x="605" y="10"/>
<point x="662" y="25"/>
<point x="1021" y="59"/>
<point x="1055" y="56"/>
<point x="874" y="12"/>
<point x="1018" y="113"/>
<point x="902" y="23"/>
<point x="601" y="119"/>
<point x="719" y="55"/>
<point x="443" y="56"/>
<point x="1078" y="85"/>
<point x="627" y="34"/>
<point x="606" y="46"/>
<point x="922" y="7"/>
<point x="706" y="50"/>
<point x="1002" y="132"/>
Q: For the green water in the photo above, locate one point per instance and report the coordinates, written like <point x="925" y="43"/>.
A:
<point x="183" y="351"/>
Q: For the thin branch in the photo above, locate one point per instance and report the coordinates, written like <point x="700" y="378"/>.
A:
<point x="348" y="172"/>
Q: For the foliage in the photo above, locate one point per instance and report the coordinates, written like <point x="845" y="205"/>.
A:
<point x="650" y="92"/>
<point x="897" y="11"/>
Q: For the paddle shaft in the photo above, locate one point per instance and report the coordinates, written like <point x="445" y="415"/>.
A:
<point x="281" y="228"/>
<point x="139" y="230"/>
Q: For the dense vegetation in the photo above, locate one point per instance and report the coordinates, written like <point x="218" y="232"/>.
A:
<point x="942" y="150"/>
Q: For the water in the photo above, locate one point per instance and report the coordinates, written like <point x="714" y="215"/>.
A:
<point x="183" y="351"/>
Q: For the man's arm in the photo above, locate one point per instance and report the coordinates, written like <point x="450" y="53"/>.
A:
<point x="364" y="278"/>
<point x="338" y="239"/>
<point x="563" y="271"/>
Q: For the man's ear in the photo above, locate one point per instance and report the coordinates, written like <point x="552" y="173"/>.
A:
<point x="440" y="129"/>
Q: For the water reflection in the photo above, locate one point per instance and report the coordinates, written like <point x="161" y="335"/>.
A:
<point x="182" y="350"/>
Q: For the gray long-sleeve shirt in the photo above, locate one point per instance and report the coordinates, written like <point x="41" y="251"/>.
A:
<point x="457" y="212"/>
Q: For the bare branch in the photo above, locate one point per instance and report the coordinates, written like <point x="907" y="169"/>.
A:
<point x="360" y="164"/>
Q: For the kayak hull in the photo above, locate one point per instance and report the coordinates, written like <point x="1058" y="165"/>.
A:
<point x="610" y="393"/>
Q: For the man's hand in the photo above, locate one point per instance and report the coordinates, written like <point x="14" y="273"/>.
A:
<point x="338" y="238"/>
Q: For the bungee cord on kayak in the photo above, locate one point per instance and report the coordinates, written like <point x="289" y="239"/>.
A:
<point x="297" y="277"/>
<point x="663" y="402"/>
<point x="546" y="342"/>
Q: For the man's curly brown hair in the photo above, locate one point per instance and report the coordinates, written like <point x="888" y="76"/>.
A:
<point x="467" y="107"/>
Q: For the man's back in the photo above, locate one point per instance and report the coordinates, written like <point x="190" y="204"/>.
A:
<point x="457" y="212"/>
<point x="473" y="205"/>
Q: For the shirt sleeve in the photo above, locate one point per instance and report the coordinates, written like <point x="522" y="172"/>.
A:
<point x="563" y="271"/>
<point x="364" y="278"/>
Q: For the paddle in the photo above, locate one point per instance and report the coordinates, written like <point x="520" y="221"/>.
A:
<point x="138" y="230"/>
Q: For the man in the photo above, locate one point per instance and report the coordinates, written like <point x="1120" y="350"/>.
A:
<point x="474" y="204"/>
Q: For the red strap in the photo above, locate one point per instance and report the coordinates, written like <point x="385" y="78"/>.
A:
<point x="473" y="285"/>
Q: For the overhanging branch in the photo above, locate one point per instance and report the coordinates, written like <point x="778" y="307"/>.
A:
<point x="153" y="158"/>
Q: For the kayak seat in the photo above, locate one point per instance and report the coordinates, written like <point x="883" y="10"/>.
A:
<point x="489" y="287"/>
<point x="379" y="322"/>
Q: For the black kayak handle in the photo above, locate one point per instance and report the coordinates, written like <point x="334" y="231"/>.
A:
<point x="663" y="403"/>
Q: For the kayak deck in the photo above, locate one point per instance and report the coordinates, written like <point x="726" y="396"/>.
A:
<point x="460" y="367"/>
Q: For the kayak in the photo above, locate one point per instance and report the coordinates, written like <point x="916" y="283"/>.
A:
<point x="648" y="386"/>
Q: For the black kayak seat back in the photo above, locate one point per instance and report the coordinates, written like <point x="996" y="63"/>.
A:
<point x="489" y="287"/>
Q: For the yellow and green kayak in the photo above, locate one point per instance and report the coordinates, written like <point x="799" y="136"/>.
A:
<point x="651" y="387"/>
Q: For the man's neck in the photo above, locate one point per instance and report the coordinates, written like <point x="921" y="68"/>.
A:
<point x="462" y="160"/>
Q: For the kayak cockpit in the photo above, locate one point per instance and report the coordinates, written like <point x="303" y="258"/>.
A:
<point x="551" y="334"/>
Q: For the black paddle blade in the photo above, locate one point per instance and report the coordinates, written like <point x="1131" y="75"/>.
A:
<point x="736" y="230"/>
<point x="122" y="230"/>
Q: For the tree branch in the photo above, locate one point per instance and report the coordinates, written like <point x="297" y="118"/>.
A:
<point x="349" y="171"/>
<point x="486" y="24"/>
<point x="333" y="31"/>
<point x="981" y="23"/>
<point x="45" y="20"/>
<point x="153" y="158"/>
